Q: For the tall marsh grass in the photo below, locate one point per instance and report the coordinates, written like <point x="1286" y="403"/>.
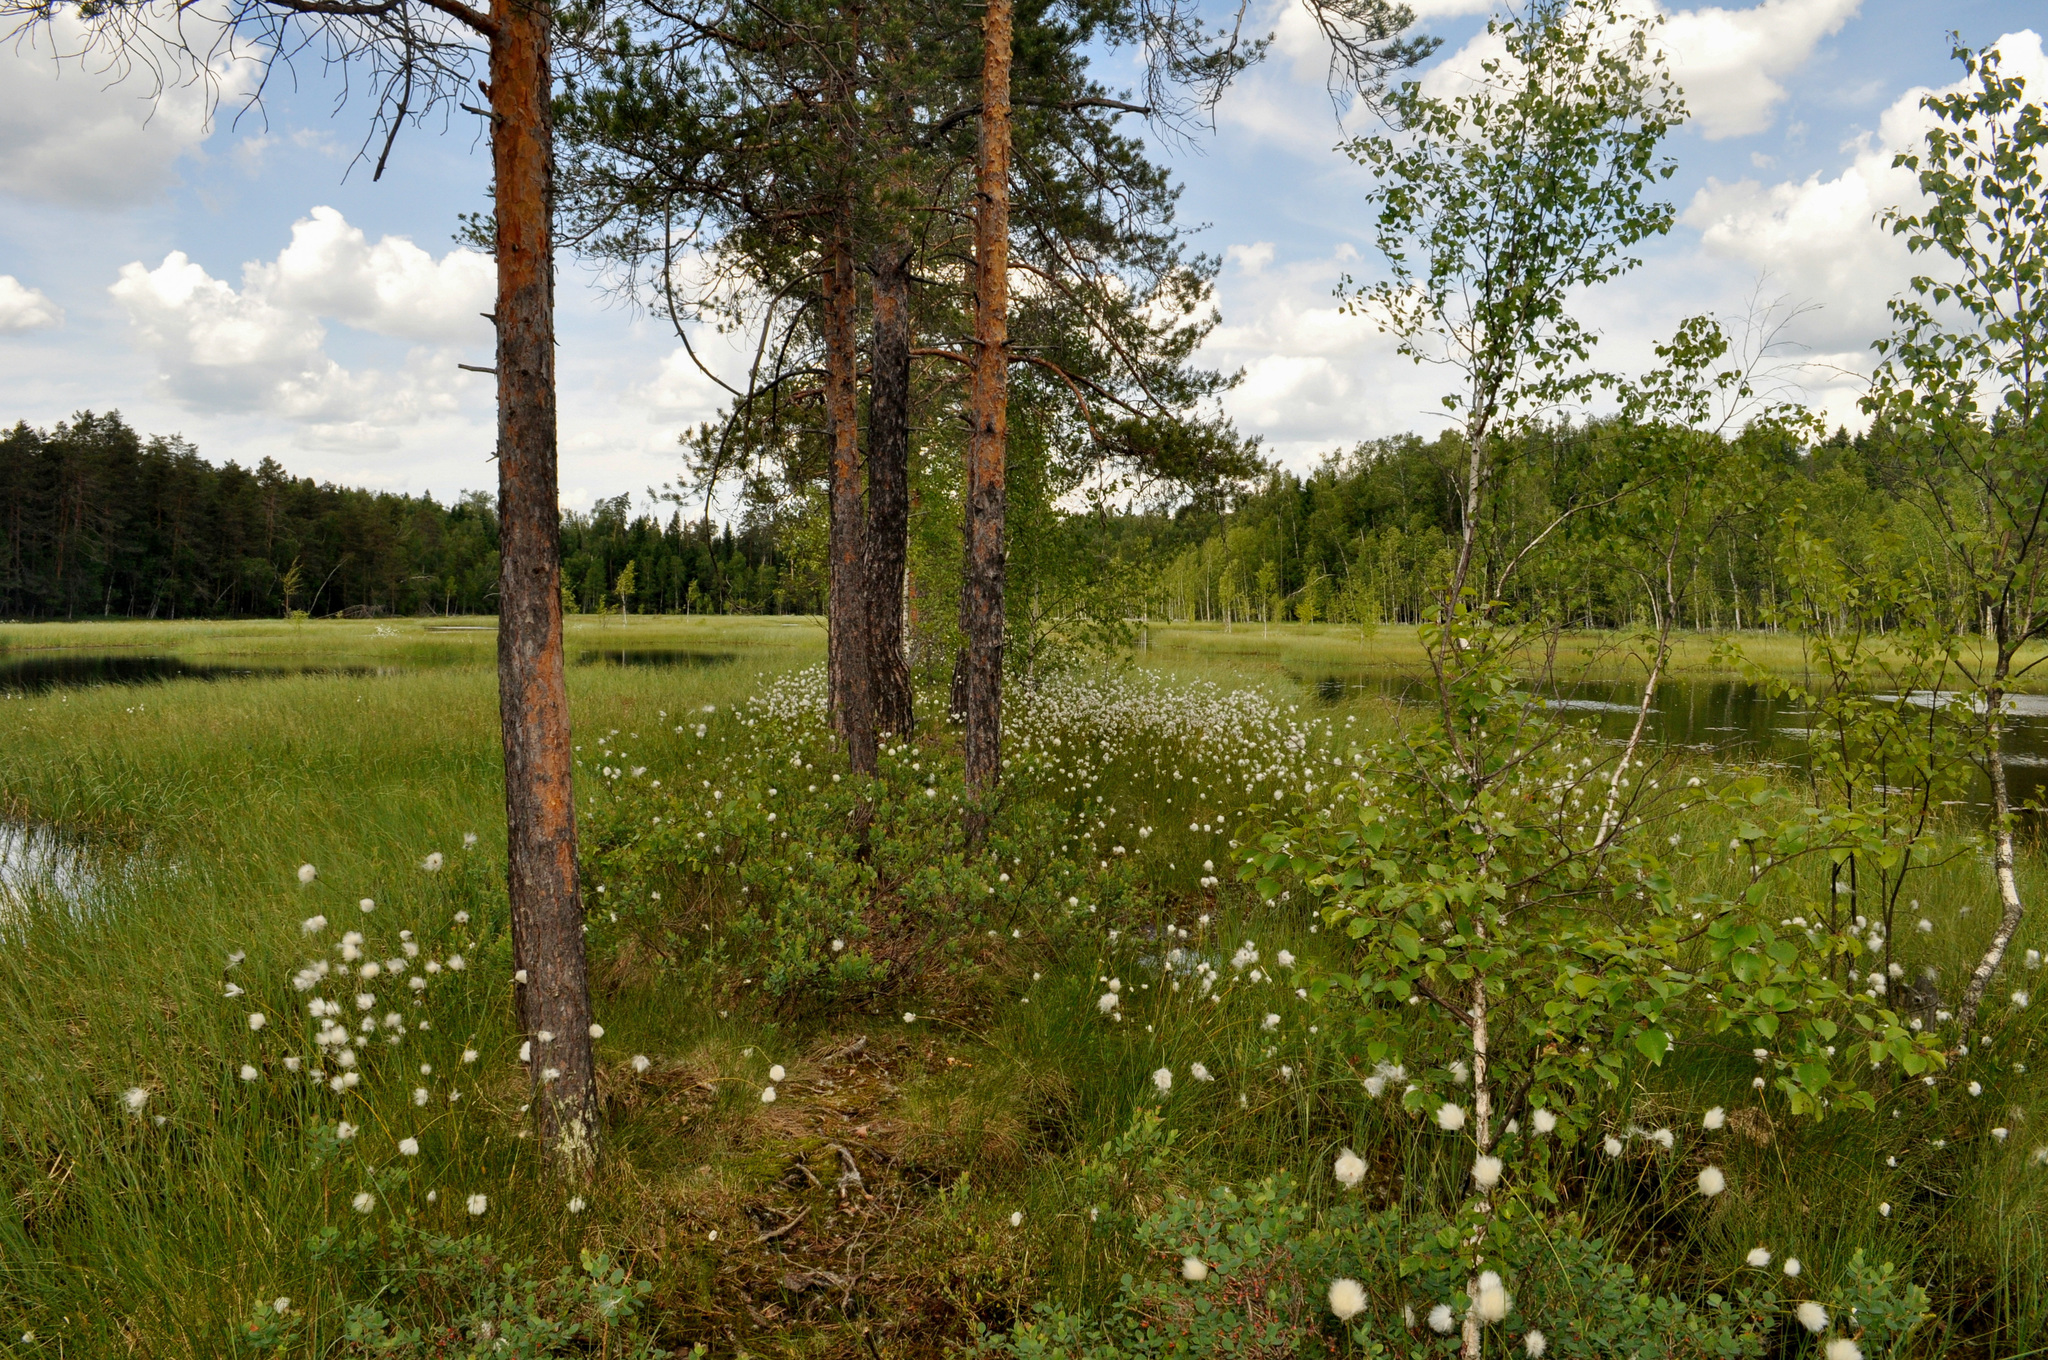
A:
<point x="196" y="803"/>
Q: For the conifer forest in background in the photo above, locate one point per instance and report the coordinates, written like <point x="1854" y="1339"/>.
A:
<point x="98" y="520"/>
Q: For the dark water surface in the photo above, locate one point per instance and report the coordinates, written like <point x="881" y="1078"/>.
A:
<point x="1728" y="719"/>
<point x="86" y="670"/>
<point x="688" y="657"/>
<point x="41" y="672"/>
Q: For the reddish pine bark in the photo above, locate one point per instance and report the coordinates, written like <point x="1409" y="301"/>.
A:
<point x="533" y="696"/>
<point x="981" y="588"/>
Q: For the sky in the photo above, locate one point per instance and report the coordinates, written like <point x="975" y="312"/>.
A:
<point x="235" y="276"/>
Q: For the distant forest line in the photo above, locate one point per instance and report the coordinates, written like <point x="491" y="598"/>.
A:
<point x="101" y="521"/>
<point x="96" y="520"/>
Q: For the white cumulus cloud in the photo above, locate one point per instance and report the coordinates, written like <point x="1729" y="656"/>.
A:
<point x="679" y="393"/>
<point x="1821" y="238"/>
<point x="391" y="287"/>
<point x="23" y="308"/>
<point x="85" y="132"/>
<point x="262" y="348"/>
<point x="1731" y="63"/>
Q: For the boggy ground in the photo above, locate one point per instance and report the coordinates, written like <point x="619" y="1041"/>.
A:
<point x="1010" y="1095"/>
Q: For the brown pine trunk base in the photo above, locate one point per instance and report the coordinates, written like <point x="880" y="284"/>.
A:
<point x="533" y="694"/>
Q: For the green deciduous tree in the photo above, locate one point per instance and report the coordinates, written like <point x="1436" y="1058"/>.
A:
<point x="1964" y="386"/>
<point x="1497" y="202"/>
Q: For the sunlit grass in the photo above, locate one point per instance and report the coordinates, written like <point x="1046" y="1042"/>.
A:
<point x="200" y="801"/>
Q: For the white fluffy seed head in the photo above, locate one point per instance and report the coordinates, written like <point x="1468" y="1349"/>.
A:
<point x="1162" y="1080"/>
<point x="1486" y="1171"/>
<point x="1440" y="1319"/>
<point x="1842" y="1348"/>
<point x="1712" y="1181"/>
<point x="1545" y="1120"/>
<point x="1812" y="1316"/>
<point x="1535" y="1343"/>
<point x="768" y="1095"/>
<point x="1492" y="1302"/>
<point x="1758" y="1257"/>
<point x="775" y="1072"/>
<point x="1349" y="1170"/>
<point x="477" y="1204"/>
<point x="307" y="873"/>
<point x="1450" y="1118"/>
<point x="1347" y="1299"/>
<point x="1194" y="1269"/>
<point x="408" y="1147"/>
<point x="1716" y="1118"/>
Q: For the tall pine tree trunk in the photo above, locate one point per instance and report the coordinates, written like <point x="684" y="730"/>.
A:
<point x="851" y="672"/>
<point x="889" y="487"/>
<point x="981" y="588"/>
<point x="533" y="697"/>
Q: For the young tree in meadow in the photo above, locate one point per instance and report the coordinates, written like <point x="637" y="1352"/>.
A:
<point x="420" y="56"/>
<point x="1963" y="387"/>
<point x="1497" y="202"/>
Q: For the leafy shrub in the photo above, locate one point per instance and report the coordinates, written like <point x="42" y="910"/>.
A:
<point x="1252" y="1275"/>
<point x="415" y="1293"/>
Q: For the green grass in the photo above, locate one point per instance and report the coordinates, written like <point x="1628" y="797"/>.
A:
<point x="1293" y="651"/>
<point x="196" y="802"/>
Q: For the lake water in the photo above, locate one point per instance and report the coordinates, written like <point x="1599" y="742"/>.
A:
<point x="34" y="859"/>
<point x="41" y="672"/>
<point x="1728" y="719"/>
<point x="85" y="670"/>
<point x="1732" y="720"/>
<point x="654" y="656"/>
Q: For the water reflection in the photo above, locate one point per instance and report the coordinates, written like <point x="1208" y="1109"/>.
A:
<point x="1730" y="719"/>
<point x="654" y="656"/>
<point x="34" y="860"/>
<point x="84" y="670"/>
<point x="38" y="673"/>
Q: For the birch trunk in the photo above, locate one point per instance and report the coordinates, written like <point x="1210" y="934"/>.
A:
<point x="2010" y="908"/>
